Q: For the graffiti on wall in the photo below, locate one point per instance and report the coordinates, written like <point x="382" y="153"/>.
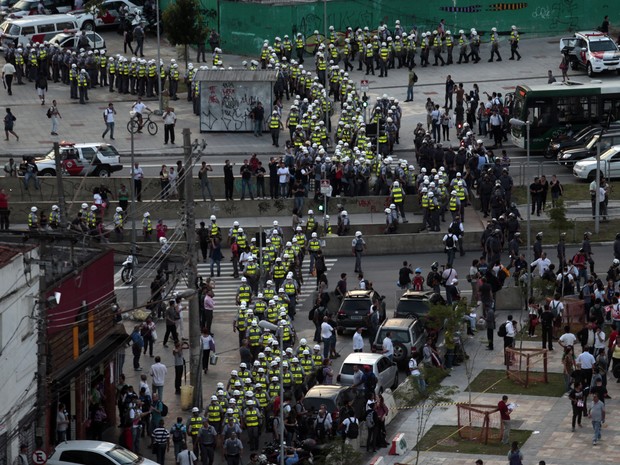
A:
<point x="226" y="105"/>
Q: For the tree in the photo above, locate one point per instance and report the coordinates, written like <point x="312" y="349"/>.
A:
<point x="183" y="24"/>
<point x="557" y="217"/>
<point x="425" y="402"/>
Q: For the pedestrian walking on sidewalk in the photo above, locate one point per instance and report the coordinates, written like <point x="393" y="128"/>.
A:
<point x="108" y="119"/>
<point x="515" y="456"/>
<point x="9" y="123"/>
<point x="597" y="415"/>
<point x="55" y="116"/>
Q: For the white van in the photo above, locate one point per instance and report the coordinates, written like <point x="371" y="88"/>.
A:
<point x="37" y="28"/>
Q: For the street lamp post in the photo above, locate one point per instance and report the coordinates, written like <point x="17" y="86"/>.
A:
<point x="159" y="89"/>
<point x="519" y="123"/>
<point x="132" y="212"/>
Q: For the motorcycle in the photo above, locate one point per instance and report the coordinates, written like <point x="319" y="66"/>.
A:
<point x="127" y="270"/>
<point x="304" y="452"/>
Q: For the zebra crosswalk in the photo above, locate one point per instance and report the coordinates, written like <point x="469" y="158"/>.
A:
<point x="226" y="286"/>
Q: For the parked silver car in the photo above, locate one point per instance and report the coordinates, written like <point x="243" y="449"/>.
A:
<point x="384" y="369"/>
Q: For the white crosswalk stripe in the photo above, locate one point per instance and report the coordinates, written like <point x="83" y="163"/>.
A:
<point x="226" y="286"/>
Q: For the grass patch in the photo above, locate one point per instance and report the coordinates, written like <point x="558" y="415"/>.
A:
<point x="501" y="385"/>
<point x="441" y="438"/>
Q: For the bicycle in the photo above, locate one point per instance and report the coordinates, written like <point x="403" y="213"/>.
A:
<point x="133" y="125"/>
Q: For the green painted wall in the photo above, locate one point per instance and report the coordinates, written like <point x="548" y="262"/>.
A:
<point x="244" y="26"/>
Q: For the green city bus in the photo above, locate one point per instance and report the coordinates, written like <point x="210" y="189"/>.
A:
<point x="551" y="107"/>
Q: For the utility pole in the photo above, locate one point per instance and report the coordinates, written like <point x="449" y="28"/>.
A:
<point x="192" y="274"/>
<point x="132" y="213"/>
<point x="41" y="435"/>
<point x="61" y="193"/>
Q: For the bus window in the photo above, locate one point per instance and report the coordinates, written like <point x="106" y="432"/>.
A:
<point x="573" y="110"/>
<point x="542" y="114"/>
<point x="610" y="107"/>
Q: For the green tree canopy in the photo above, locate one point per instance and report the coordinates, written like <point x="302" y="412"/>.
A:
<point x="183" y="23"/>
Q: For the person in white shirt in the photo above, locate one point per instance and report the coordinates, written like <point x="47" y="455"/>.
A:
<point x="542" y="264"/>
<point x="283" y="178"/>
<point x="509" y="338"/>
<point x="346" y="424"/>
<point x="158" y="374"/>
<point x="139" y="108"/>
<point x="388" y="346"/>
<point x="599" y="341"/>
<point x="137" y="174"/>
<point x="414" y="371"/>
<point x="108" y="119"/>
<point x="170" y="119"/>
<point x="358" y="340"/>
<point x="586" y="362"/>
<point x="557" y="308"/>
<point x="326" y="336"/>
<point x="568" y="339"/>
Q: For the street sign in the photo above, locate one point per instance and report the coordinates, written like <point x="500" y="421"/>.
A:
<point x="325" y="187"/>
<point x="39" y="457"/>
<point x="364" y="85"/>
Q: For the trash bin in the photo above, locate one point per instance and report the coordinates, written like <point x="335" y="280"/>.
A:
<point x="187" y="396"/>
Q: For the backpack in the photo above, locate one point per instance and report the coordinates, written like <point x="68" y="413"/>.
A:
<point x="501" y="332"/>
<point x="454" y="229"/>
<point x="353" y="430"/>
<point x="415" y="77"/>
<point x="359" y="245"/>
<point x="418" y="283"/>
<point x="177" y="434"/>
<point x="164" y="410"/>
<point x="450" y="242"/>
<point x="371" y="416"/>
<point x="319" y="429"/>
<point x="319" y="375"/>
<point x="49" y="112"/>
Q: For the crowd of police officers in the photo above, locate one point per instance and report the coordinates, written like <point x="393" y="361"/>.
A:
<point x="269" y="288"/>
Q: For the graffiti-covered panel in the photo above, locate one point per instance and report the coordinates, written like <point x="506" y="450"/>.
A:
<point x="226" y="105"/>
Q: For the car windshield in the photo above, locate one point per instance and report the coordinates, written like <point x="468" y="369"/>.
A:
<point x="123" y="456"/>
<point x="412" y="306"/>
<point x="397" y="336"/>
<point x="108" y="150"/>
<point x="347" y="368"/>
<point x="25" y="5"/>
<point x="313" y="404"/>
<point x="349" y="305"/>
<point x="602" y="46"/>
<point x="10" y="29"/>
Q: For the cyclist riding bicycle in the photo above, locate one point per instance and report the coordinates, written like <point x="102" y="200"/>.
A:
<point x="138" y="108"/>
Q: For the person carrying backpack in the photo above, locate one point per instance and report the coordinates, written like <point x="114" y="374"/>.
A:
<point x="371" y="424"/>
<point x="351" y="428"/>
<point x="357" y="249"/>
<point x="322" y="425"/>
<point x="178" y="432"/>
<point x="450" y="242"/>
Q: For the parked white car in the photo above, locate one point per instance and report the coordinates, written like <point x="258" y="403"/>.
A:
<point x="384" y="369"/>
<point x="94" y="452"/>
<point x="107" y="16"/>
<point x="610" y="165"/>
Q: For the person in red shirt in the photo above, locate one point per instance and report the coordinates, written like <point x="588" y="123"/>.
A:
<point x="4" y="210"/>
<point x="504" y="412"/>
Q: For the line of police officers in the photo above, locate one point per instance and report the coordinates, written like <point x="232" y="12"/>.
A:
<point x="86" y="69"/>
<point x="386" y="49"/>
